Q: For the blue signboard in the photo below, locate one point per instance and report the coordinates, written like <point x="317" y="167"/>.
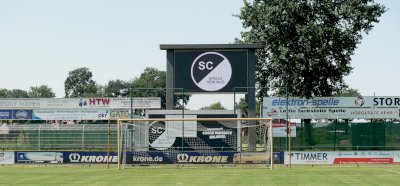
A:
<point x="22" y="114"/>
<point x="146" y="157"/>
<point x="278" y="157"/>
<point x="151" y="157"/>
<point x="157" y="157"/>
<point x="5" y="114"/>
<point x="90" y="157"/>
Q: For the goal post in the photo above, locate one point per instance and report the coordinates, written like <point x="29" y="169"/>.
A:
<point x="191" y="140"/>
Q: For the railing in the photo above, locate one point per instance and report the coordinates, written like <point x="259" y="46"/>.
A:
<point x="58" y="137"/>
<point x="94" y="137"/>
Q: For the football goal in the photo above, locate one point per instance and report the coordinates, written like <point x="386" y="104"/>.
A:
<point x="193" y="140"/>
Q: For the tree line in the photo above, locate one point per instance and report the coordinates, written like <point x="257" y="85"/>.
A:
<point x="80" y="83"/>
<point x="42" y="91"/>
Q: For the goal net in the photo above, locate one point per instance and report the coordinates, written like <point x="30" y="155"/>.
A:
<point x="193" y="140"/>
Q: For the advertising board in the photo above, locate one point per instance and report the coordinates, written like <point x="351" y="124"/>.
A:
<point x="205" y="158"/>
<point x="257" y="157"/>
<point x="150" y="157"/>
<point x="84" y="114"/>
<point x="332" y="113"/>
<point x="39" y="157"/>
<point x="7" y="158"/>
<point x="280" y="129"/>
<point x="396" y="157"/>
<point x="16" y="114"/>
<point x="81" y="103"/>
<point x="6" y="114"/>
<point x="331" y="102"/>
<point x="210" y="71"/>
<point x="22" y="114"/>
<point x="215" y="134"/>
<point x="340" y="157"/>
<point x="137" y="103"/>
<point x="116" y="114"/>
<point x="90" y="157"/>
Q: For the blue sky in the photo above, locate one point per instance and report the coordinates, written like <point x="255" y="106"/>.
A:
<point x="42" y="40"/>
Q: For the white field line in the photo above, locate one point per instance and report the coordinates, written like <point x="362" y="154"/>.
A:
<point x="397" y="172"/>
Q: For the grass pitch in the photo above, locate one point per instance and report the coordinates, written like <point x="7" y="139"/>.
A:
<point x="198" y="175"/>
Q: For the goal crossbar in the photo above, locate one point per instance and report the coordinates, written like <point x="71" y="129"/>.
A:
<point x="197" y="119"/>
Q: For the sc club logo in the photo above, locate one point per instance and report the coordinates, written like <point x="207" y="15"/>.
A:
<point x="359" y="101"/>
<point x="211" y="71"/>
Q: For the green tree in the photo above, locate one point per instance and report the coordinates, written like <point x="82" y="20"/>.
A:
<point x="100" y="91"/>
<point x="42" y="91"/>
<point x="307" y="45"/>
<point x="79" y="83"/>
<point x="214" y="106"/>
<point x="115" y="88"/>
<point x="151" y="83"/>
<point x="3" y="93"/>
<point x="242" y="106"/>
<point x="347" y="92"/>
<point x="17" y="93"/>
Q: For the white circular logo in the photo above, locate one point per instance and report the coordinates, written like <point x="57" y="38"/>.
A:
<point x="211" y="71"/>
<point x="359" y="101"/>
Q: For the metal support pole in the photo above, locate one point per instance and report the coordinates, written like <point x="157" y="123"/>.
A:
<point x="234" y="102"/>
<point x="40" y="126"/>
<point x="251" y="97"/>
<point x="108" y="145"/>
<point x="288" y="129"/>
<point x="130" y="94"/>
<point x="335" y="135"/>
<point x="287" y="116"/>
<point x="183" y="122"/>
<point x="272" y="144"/>
<point x="83" y="137"/>
<point x="118" y="145"/>
<point x="170" y="80"/>
<point x="290" y="153"/>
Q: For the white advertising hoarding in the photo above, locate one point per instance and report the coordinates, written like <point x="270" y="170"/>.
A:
<point x="340" y="157"/>
<point x="84" y="114"/>
<point x="137" y="103"/>
<point x="40" y="157"/>
<point x="7" y="158"/>
<point x="396" y="157"/>
<point x="79" y="103"/>
<point x="120" y="114"/>
<point x="332" y="113"/>
<point x="357" y="101"/>
<point x="280" y="129"/>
